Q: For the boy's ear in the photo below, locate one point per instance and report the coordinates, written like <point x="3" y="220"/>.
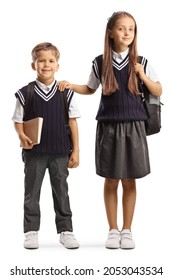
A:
<point x="33" y="66"/>
<point x="57" y="67"/>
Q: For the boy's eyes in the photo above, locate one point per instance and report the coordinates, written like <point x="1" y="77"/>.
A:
<point x="42" y="60"/>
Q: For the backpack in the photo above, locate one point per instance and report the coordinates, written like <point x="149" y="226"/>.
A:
<point x="152" y="105"/>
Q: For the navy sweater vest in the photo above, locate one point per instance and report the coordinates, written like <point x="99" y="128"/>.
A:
<point x="120" y="105"/>
<point x="54" y="138"/>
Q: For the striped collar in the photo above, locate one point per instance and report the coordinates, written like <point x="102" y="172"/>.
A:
<point x="120" y="60"/>
<point x="45" y="92"/>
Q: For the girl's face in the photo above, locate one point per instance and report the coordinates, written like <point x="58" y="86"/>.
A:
<point x="46" y="65"/>
<point x="122" y="33"/>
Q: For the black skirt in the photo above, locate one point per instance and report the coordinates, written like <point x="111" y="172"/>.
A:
<point x="122" y="150"/>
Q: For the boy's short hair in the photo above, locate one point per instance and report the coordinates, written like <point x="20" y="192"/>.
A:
<point x="44" y="47"/>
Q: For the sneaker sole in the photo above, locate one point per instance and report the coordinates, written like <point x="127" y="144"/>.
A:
<point x="75" y="247"/>
<point x="31" y="247"/>
<point x="127" y="248"/>
<point x="112" y="248"/>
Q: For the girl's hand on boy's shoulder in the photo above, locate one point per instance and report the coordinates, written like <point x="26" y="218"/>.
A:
<point x="62" y="85"/>
<point x="73" y="160"/>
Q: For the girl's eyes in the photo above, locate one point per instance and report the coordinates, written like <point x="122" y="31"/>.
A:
<point x="124" y="29"/>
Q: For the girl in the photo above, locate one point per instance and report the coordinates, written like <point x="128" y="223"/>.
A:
<point x="121" y="145"/>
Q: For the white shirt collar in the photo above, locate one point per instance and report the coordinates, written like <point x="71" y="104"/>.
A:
<point x="44" y="87"/>
<point x="120" y="56"/>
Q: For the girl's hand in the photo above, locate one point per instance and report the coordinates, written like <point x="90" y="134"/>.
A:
<point x="62" y="85"/>
<point x="73" y="160"/>
<point x="139" y="70"/>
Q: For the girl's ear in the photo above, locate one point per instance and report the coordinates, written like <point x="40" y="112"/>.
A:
<point x="33" y="66"/>
<point x="110" y="33"/>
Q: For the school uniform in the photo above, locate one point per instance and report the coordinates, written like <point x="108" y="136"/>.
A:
<point x="52" y="153"/>
<point x="121" y="145"/>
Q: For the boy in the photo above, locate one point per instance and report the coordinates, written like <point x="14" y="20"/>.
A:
<point x="53" y="152"/>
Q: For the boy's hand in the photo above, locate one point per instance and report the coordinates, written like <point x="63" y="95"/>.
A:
<point x="73" y="160"/>
<point x="62" y="85"/>
<point x="25" y="142"/>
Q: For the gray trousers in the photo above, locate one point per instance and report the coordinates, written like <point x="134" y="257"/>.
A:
<point x="35" y="168"/>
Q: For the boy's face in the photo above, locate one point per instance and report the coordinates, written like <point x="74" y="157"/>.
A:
<point x="46" y="65"/>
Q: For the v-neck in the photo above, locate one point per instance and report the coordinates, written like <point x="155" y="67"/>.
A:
<point x="46" y="95"/>
<point x="122" y="64"/>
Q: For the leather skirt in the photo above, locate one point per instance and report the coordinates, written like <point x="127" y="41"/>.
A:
<point x="121" y="150"/>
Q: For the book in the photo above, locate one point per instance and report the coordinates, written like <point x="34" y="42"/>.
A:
<point x="33" y="129"/>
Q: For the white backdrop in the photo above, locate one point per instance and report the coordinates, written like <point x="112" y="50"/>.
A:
<point x="77" y="28"/>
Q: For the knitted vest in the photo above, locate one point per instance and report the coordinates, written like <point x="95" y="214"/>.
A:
<point x="120" y="105"/>
<point x="54" y="138"/>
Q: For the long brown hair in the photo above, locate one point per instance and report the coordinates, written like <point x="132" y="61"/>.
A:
<point x="109" y="81"/>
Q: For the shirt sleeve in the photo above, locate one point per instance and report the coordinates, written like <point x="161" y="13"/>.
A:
<point x="73" y="109"/>
<point x="151" y="73"/>
<point x="93" y="81"/>
<point x="18" y="112"/>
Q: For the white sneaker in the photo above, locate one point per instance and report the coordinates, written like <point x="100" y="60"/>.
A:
<point x="68" y="239"/>
<point x="126" y="239"/>
<point x="113" y="241"/>
<point x="31" y="240"/>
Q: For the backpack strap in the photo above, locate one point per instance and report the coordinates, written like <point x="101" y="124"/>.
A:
<point x="142" y="60"/>
<point x="143" y="89"/>
<point x="152" y="99"/>
<point x="29" y="97"/>
<point x="65" y="108"/>
<point x="63" y="97"/>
